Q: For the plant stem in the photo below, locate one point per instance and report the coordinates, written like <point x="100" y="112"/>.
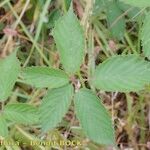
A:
<point x="91" y="57"/>
<point x="4" y="2"/>
<point x="103" y="38"/>
<point x="81" y="79"/>
<point x="29" y="35"/>
<point x="39" y="27"/>
<point x="129" y="41"/>
<point x="64" y="6"/>
<point x="22" y="13"/>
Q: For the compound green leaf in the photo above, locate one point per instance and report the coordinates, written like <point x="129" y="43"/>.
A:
<point x="41" y="77"/>
<point x="9" y="70"/>
<point x="3" y="127"/>
<point x="122" y="73"/>
<point x="54" y="106"/>
<point x="137" y="3"/>
<point x="117" y="26"/>
<point x="93" y="117"/>
<point x="145" y="36"/>
<point x="69" y="40"/>
<point x="21" y="113"/>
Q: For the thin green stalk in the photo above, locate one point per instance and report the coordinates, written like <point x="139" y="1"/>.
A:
<point x="81" y="79"/>
<point x="29" y="35"/>
<point x="130" y="118"/>
<point x="64" y="6"/>
<point x="36" y="93"/>
<point x="101" y="45"/>
<point x="103" y="38"/>
<point x="21" y="95"/>
<point x="21" y="81"/>
<point x="142" y="119"/>
<point x="129" y="41"/>
<point x="28" y="137"/>
<point x="125" y="51"/>
<point x="42" y="19"/>
<point x="91" y="57"/>
<point x="22" y="13"/>
<point x="91" y="52"/>
<point x="39" y="28"/>
<point x="129" y="106"/>
<point x="2" y="106"/>
<point x="4" y="2"/>
<point x="139" y="36"/>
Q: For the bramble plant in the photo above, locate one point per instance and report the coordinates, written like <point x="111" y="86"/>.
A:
<point x="117" y="73"/>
